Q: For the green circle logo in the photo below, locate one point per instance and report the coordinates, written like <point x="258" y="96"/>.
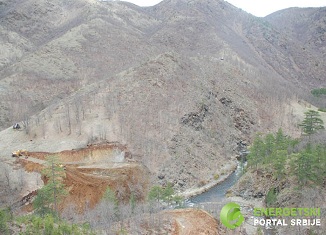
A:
<point x="231" y="216"/>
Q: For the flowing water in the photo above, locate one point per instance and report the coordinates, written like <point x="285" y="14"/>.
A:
<point x="217" y="193"/>
<point x="213" y="199"/>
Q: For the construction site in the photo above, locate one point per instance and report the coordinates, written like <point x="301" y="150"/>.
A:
<point x="89" y="172"/>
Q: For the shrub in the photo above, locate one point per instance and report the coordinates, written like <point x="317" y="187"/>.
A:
<point x="51" y="225"/>
<point x="4" y="217"/>
<point x="216" y="176"/>
<point x="318" y="92"/>
<point x="271" y="197"/>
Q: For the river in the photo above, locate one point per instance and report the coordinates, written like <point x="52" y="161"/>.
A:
<point x="217" y="193"/>
<point x="213" y="199"/>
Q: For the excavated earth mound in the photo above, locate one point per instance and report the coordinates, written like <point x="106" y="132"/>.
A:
<point x="91" y="170"/>
<point x="193" y="222"/>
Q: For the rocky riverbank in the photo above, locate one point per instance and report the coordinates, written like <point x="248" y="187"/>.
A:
<point x="227" y="170"/>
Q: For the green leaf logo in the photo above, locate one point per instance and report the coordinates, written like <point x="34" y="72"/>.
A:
<point x="231" y="216"/>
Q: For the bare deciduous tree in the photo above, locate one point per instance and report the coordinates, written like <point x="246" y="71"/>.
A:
<point x="7" y="176"/>
<point x="68" y="118"/>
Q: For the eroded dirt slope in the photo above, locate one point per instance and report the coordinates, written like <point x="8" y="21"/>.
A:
<point x="91" y="170"/>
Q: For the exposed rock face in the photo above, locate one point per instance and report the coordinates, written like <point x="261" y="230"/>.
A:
<point x="195" y="119"/>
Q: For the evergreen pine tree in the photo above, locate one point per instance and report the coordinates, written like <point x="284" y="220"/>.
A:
<point x="302" y="167"/>
<point x="156" y="193"/>
<point x="168" y="192"/>
<point x="281" y="142"/>
<point x="132" y="202"/>
<point x="279" y="160"/>
<point x="269" y="142"/>
<point x="311" y="123"/>
<point x="49" y="195"/>
<point x="257" y="152"/>
<point x="110" y="197"/>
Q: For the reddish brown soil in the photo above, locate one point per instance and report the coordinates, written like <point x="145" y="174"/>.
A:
<point x="86" y="184"/>
<point x="87" y="189"/>
<point x="83" y="189"/>
<point x="30" y="166"/>
<point x="193" y="222"/>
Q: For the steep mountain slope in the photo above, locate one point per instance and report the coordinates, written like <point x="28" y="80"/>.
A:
<point x="96" y="39"/>
<point x="67" y="51"/>
<point x="180" y="83"/>
<point x="305" y="30"/>
<point x="308" y="25"/>
<point x="256" y="41"/>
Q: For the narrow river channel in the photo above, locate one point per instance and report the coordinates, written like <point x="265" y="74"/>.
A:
<point x="217" y="193"/>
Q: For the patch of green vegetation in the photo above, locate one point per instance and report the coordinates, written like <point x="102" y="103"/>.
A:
<point x="271" y="197"/>
<point x="51" y="225"/>
<point x="312" y="123"/>
<point x="271" y="151"/>
<point x="45" y="219"/>
<point x="165" y="194"/>
<point x="216" y="176"/>
<point x="318" y="92"/>
<point x="322" y="110"/>
<point x="276" y="153"/>
<point x="4" y="218"/>
<point x="122" y="231"/>
<point x="50" y="194"/>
